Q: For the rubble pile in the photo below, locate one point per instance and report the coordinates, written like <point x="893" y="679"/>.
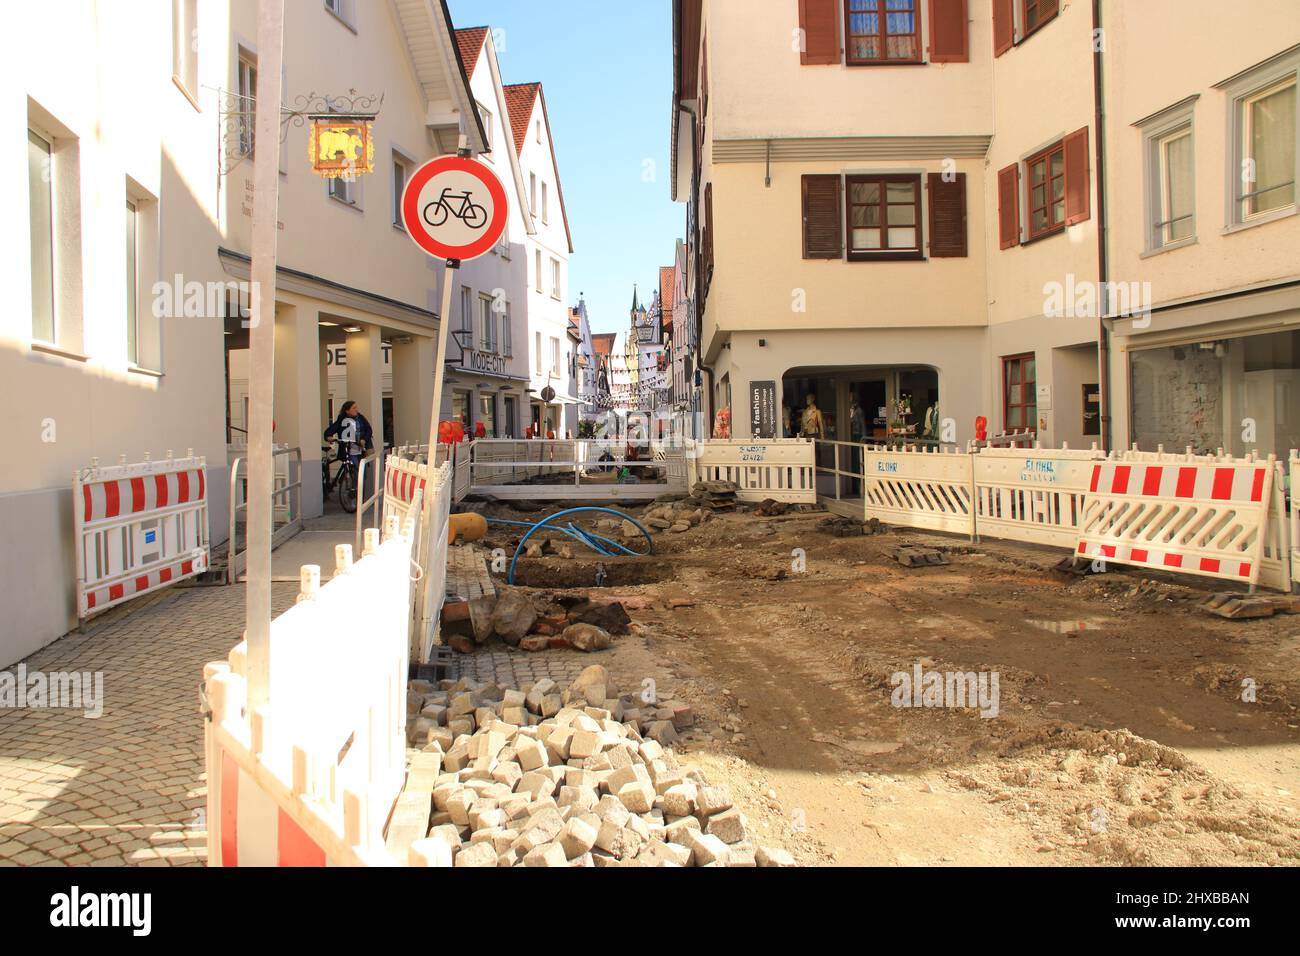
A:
<point x="838" y="526"/>
<point x="533" y="622"/>
<point x="549" y="776"/>
<point x="675" y="517"/>
<point x="716" y="495"/>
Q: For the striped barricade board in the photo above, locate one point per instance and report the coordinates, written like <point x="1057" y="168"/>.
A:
<point x="1203" y="518"/>
<point x="932" y="490"/>
<point x="1031" y="495"/>
<point x="138" y="528"/>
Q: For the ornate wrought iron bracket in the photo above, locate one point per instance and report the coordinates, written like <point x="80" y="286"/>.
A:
<point x="238" y="115"/>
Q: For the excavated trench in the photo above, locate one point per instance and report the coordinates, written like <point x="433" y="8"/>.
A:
<point x="592" y="572"/>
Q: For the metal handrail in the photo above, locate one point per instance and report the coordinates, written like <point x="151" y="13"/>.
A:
<point x="835" y="470"/>
<point x="372" y="502"/>
<point x="291" y="488"/>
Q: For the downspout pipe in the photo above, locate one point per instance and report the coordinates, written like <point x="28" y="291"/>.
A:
<point x="1103" y="264"/>
<point x="699" y="317"/>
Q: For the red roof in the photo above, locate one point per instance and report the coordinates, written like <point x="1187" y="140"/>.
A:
<point x="470" y="42"/>
<point x="666" y="290"/>
<point x="520" y="99"/>
<point x="602" y="343"/>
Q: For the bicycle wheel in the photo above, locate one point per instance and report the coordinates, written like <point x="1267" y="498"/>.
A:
<point x="439" y="213"/>
<point x="348" y="488"/>
<point x="475" y="216"/>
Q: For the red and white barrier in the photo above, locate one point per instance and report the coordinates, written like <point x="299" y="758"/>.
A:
<point x="1196" y="517"/>
<point x="139" y="527"/>
<point x="309" y="777"/>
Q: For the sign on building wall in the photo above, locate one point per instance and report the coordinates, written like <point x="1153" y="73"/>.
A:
<point x="762" y="409"/>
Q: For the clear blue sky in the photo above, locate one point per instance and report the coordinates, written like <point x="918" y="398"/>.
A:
<point x="606" y="66"/>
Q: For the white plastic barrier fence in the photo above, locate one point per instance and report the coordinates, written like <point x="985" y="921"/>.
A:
<point x="1194" y="517"/>
<point x="1031" y="494"/>
<point x="433" y="549"/>
<point x="462" y="475"/>
<point x="920" y="489"/>
<point x="783" y="469"/>
<point x="404" y="478"/>
<point x="309" y="778"/>
<point x="138" y="528"/>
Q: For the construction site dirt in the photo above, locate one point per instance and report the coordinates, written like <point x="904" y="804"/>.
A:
<point x="1098" y="720"/>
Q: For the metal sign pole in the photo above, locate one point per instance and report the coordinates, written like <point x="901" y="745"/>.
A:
<point x="429" y="545"/>
<point x="261" y="343"/>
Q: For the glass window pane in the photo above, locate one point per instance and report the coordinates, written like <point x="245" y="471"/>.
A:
<point x="1178" y="177"/>
<point x="1058" y="212"/>
<point x="901" y="192"/>
<point x="902" y="215"/>
<point x="897" y="23"/>
<point x="902" y="238"/>
<point x="132" y="283"/>
<point x="902" y="48"/>
<point x="858" y="214"/>
<point x="1038" y="196"/>
<point x="39" y="177"/>
<point x="1013" y="372"/>
<point x="1039" y="220"/>
<point x="1038" y="171"/>
<point x="865" y="49"/>
<point x="866" y="238"/>
<point x="1029" y="371"/>
<point x="1272" y="147"/>
<point x="873" y="215"/>
<point x="1058" y="187"/>
<point x="864" y="23"/>
<point x="1057" y="161"/>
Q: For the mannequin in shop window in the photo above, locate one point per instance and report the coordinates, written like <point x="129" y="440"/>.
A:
<point x="812" y="425"/>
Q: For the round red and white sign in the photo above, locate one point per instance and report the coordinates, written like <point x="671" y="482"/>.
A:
<point x="454" y="208"/>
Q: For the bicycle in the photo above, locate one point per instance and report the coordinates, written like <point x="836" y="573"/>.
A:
<point x="468" y="212"/>
<point x="345" y="479"/>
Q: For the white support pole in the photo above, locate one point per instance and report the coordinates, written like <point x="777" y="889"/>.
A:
<point x="428" y="544"/>
<point x="261" y="341"/>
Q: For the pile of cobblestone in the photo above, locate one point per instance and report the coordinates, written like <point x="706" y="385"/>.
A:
<point x="547" y="776"/>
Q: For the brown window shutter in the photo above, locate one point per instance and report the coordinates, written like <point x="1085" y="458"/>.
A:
<point x="947" y="216"/>
<point x="1009" y="206"/>
<point x="1078" y="193"/>
<point x="708" y="229"/>
<point x="1004" y="27"/>
<point x="949" y="32"/>
<point x="820" y="22"/>
<point x="821" y="217"/>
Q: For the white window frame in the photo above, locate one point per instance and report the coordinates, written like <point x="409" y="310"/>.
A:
<point x="532" y="193"/>
<point x="507" y="334"/>
<point x="185" y="58"/>
<point x="487" y="330"/>
<point x="246" y="92"/>
<point x="403" y="162"/>
<point x="344" y="11"/>
<point x="48" y="141"/>
<point x="537" y="263"/>
<point x="1241" y="90"/>
<point x="555" y="357"/>
<point x="546" y="204"/>
<point x="1158" y="130"/>
<point x="555" y="278"/>
<point x="485" y="115"/>
<point x="537" y="349"/>
<point x="132" y="248"/>
<point x="466" y="309"/>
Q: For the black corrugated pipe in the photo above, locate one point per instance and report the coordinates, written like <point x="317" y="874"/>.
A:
<point x="1103" y="266"/>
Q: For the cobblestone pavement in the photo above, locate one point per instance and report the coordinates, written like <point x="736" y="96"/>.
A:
<point x="125" y="788"/>
<point x="510" y="668"/>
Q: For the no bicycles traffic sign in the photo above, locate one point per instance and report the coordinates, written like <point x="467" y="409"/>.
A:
<point x="454" y="208"/>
